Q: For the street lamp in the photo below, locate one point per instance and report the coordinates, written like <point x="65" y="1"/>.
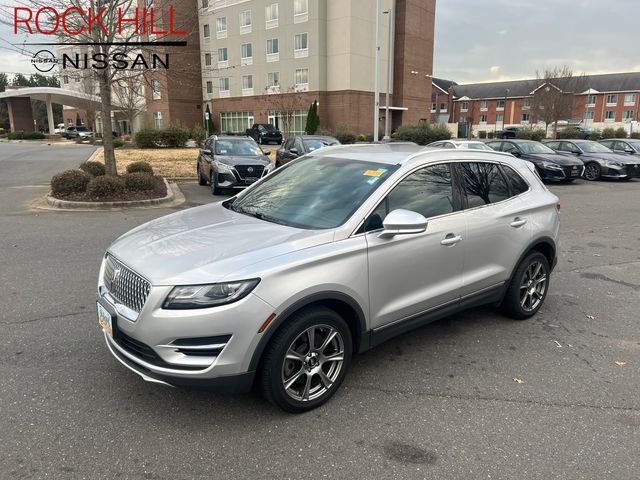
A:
<point x="387" y="133"/>
<point x="504" y="109"/>
<point x="376" y="106"/>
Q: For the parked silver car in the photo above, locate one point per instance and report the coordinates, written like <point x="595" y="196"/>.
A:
<point x="329" y="255"/>
<point x="462" y="144"/>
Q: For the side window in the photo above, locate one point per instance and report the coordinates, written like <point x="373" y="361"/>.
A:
<point x="518" y="185"/>
<point x="299" y="146"/>
<point x="496" y="146"/>
<point x="427" y="191"/>
<point x="620" y="147"/>
<point x="449" y="145"/>
<point x="567" y="147"/>
<point x="607" y="143"/>
<point x="509" y="147"/>
<point x="553" y="145"/>
<point x="484" y="184"/>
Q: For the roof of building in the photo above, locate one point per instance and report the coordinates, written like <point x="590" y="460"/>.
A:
<point x="612" y="82"/>
<point x="443" y="84"/>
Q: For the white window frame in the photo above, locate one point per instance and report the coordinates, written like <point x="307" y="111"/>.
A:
<point x="612" y="99"/>
<point x="245" y="27"/>
<point x="627" y="115"/>
<point x="206" y="31"/>
<point x="301" y="52"/>
<point x="499" y="118"/>
<point x="300" y="11"/>
<point x="235" y="122"/>
<point x="526" y="103"/>
<point x="274" y="56"/>
<point x="525" y="118"/>
<point x="155" y="90"/>
<point x="632" y="101"/>
<point x="464" y="106"/>
<point x="588" y="102"/>
<point x="158" y="121"/>
<point x="443" y="110"/>
<point x="301" y="86"/>
<point x="434" y="106"/>
<point x="209" y="87"/>
<point x="498" y="107"/>
<point x="65" y="79"/>
<point x="273" y="82"/>
<point x="224" y="84"/>
<point x="484" y="105"/>
<point x="247" y="85"/>
<point x="483" y="119"/>
<point x="220" y="32"/>
<point x="610" y="118"/>
<point x="223" y="63"/>
<point x="246" y="60"/>
<point x="271" y="20"/>
<point x="207" y="59"/>
<point x="205" y="4"/>
<point x="589" y="115"/>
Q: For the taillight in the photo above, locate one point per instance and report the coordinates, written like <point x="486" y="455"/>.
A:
<point x="558" y="207"/>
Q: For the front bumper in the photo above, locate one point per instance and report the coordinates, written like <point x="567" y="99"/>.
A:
<point x="158" y="345"/>
<point x="237" y="179"/>
<point x="562" y="172"/>
<point x="626" y="171"/>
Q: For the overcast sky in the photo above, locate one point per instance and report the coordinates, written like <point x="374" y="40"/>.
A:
<point x="489" y="40"/>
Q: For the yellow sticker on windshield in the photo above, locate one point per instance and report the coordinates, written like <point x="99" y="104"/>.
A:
<point x="373" y="173"/>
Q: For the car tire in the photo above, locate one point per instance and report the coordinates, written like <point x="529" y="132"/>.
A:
<point x="215" y="190"/>
<point x="532" y="275"/>
<point x="592" y="171"/>
<point x="298" y="378"/>
<point x="201" y="179"/>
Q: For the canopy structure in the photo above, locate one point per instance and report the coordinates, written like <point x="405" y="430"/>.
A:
<point x="19" y="103"/>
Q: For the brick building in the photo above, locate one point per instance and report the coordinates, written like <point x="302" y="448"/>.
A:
<point x="610" y="100"/>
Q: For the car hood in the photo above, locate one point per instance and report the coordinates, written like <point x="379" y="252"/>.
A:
<point x="206" y="244"/>
<point x="617" y="157"/>
<point x="557" y="158"/>
<point x="243" y="160"/>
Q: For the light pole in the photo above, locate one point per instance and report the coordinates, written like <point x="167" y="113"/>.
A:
<point x="504" y="110"/>
<point x="387" y="131"/>
<point x="376" y="112"/>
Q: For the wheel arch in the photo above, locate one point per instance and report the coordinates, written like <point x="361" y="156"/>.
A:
<point x="342" y="304"/>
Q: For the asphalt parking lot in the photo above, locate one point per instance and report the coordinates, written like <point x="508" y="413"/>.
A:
<point x="440" y="402"/>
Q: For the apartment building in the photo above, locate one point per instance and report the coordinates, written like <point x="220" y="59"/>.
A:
<point x="609" y="100"/>
<point x="261" y="57"/>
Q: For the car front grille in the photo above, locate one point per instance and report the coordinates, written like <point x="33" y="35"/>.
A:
<point x="573" y="171"/>
<point x="249" y="171"/>
<point x="125" y="285"/>
<point x="633" y="170"/>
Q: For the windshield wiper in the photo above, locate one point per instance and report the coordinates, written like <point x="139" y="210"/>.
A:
<point x="258" y="215"/>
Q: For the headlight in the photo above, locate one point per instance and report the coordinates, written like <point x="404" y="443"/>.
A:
<point x="550" y="165"/>
<point x="269" y="168"/>
<point x="222" y="167"/>
<point x="614" y="163"/>
<point x="205" y="296"/>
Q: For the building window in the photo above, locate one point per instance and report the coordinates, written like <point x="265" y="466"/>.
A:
<point x="65" y="79"/>
<point x="524" y="118"/>
<point x="483" y="105"/>
<point x="77" y="78"/>
<point x="591" y="101"/>
<point x="235" y="122"/>
<point x="205" y="30"/>
<point x="273" y="52"/>
<point x="464" y="107"/>
<point x="500" y="105"/>
<point x="224" y="86"/>
<point x="221" y="27"/>
<point x="223" y="58"/>
<point x="627" y="115"/>
<point x="205" y="3"/>
<point x="209" y="86"/>
<point x="155" y="89"/>
<point x="247" y="85"/>
<point x="297" y="125"/>
<point x="630" y="99"/>
<point x="207" y="59"/>
<point x="246" y="54"/>
<point x="301" y="45"/>
<point x="245" y="22"/>
<point x="300" y="11"/>
<point x="500" y="118"/>
<point x="612" y="99"/>
<point x="273" y="82"/>
<point x="271" y="16"/>
<point x="589" y="115"/>
<point x="302" y="79"/>
<point x="443" y="108"/>
<point x="610" y="116"/>
<point x="483" y="119"/>
<point x="433" y="108"/>
<point x="157" y="120"/>
<point x="526" y="103"/>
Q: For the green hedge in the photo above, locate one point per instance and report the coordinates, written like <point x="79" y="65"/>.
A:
<point x="105" y="186"/>
<point x="423" y="133"/>
<point x="139" y="182"/>
<point x="530" y="133"/>
<point x="95" y="169"/>
<point x="71" y="181"/>
<point x="174" y="136"/>
<point x="25" y="136"/>
<point x="140" y="167"/>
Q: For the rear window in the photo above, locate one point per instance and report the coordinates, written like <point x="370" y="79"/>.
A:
<point x="518" y="185"/>
<point x="484" y="184"/>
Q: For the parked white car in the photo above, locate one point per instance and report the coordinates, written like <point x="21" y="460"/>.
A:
<point x="460" y="144"/>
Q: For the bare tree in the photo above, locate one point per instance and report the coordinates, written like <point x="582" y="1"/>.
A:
<point x="89" y="87"/>
<point x="285" y="105"/>
<point x="129" y="92"/>
<point x="472" y="116"/>
<point x="553" y="98"/>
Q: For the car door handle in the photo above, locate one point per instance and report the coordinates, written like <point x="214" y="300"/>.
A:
<point x="450" y="240"/>
<point x="518" y="222"/>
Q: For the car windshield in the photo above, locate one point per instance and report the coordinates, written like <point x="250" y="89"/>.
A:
<point x="533" y="147"/>
<point x="237" y="147"/>
<point x="593" y="147"/>
<point x="313" y="193"/>
<point x="476" y="146"/>
<point x="311" y="144"/>
<point x="268" y="127"/>
<point x="82" y="129"/>
<point x="635" y="144"/>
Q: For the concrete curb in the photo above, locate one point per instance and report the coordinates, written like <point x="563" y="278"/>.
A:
<point x="182" y="179"/>
<point x="95" y="154"/>
<point x="173" y="198"/>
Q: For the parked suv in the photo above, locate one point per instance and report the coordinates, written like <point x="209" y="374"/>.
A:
<point x="265" y="133"/>
<point x="231" y="163"/>
<point x="79" y="132"/>
<point x="300" y="145"/>
<point x="330" y="255"/>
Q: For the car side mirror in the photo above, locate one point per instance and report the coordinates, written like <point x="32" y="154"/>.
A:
<point x="629" y="150"/>
<point x="402" y="222"/>
<point x="577" y="152"/>
<point x="516" y="153"/>
<point x="206" y="151"/>
<point x="293" y="151"/>
<point x="267" y="152"/>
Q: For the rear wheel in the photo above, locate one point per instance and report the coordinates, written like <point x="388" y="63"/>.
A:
<point x="306" y="360"/>
<point x="592" y="171"/>
<point x="528" y="288"/>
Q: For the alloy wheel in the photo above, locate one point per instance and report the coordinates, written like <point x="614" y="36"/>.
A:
<point x="533" y="286"/>
<point x="591" y="171"/>
<point x="313" y="363"/>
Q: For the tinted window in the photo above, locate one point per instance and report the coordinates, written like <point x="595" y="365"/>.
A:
<point x="553" y="145"/>
<point x="620" y="146"/>
<point x="427" y="191"/>
<point x="495" y="145"/>
<point x="509" y="147"/>
<point x="237" y="147"/>
<point x="518" y="185"/>
<point x="607" y="143"/>
<point x="484" y="184"/>
<point x="568" y="147"/>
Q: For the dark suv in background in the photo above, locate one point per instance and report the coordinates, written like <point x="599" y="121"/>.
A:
<point x="231" y="162"/>
<point x="265" y="133"/>
<point x="300" y="145"/>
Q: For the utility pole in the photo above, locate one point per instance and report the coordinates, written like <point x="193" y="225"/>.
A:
<point x="387" y="129"/>
<point x="376" y="113"/>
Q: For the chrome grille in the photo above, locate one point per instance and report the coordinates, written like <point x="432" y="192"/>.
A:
<point x="125" y="285"/>
<point x="249" y="171"/>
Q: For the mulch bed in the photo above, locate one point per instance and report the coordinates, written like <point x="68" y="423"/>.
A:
<point x="159" y="191"/>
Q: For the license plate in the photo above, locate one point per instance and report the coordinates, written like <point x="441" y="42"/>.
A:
<point x="104" y="319"/>
<point x="575" y="173"/>
<point x="250" y="179"/>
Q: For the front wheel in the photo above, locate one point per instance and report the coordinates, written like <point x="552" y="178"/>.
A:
<point x="528" y="288"/>
<point x="306" y="360"/>
<point x="592" y="171"/>
<point x="215" y="189"/>
<point x="201" y="180"/>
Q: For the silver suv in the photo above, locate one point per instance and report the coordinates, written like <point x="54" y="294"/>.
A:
<point x="327" y="256"/>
